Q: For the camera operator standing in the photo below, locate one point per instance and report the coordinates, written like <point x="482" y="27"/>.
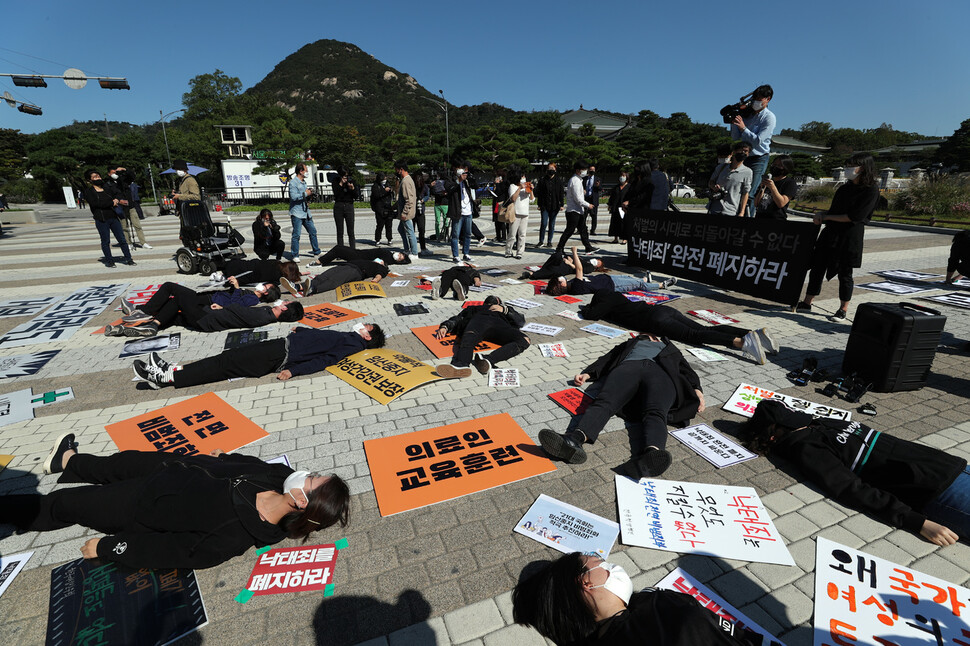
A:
<point x="754" y="125"/>
<point x="344" y="194"/>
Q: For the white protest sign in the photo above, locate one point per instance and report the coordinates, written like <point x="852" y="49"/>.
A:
<point x="523" y="304"/>
<point x="484" y="287"/>
<point x="572" y="316"/>
<point x="22" y="365"/>
<point x="712" y="317"/>
<point x="16" y="407"/>
<point x="906" y="274"/>
<point x="400" y="283"/>
<point x="864" y="599"/>
<point x="956" y="299"/>
<point x="538" y="328"/>
<point x="746" y="397"/>
<point x="712" y="446"/>
<point x="554" y="350"/>
<point x="899" y="289"/>
<point x="706" y="355"/>
<point x="603" y="330"/>
<point x="65" y="318"/>
<point x="26" y="306"/>
<point x="695" y="518"/>
<point x="503" y="377"/>
<point x="568" y="529"/>
<point x="511" y="281"/>
<point x="10" y="567"/>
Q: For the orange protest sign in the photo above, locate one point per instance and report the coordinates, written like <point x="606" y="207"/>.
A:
<point x="444" y="348"/>
<point x="472" y="304"/>
<point x="572" y="399"/>
<point x="360" y="288"/>
<point x="422" y="468"/>
<point x="383" y="374"/>
<point x="327" y="314"/>
<point x="198" y="425"/>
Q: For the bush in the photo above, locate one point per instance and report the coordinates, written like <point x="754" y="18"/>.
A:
<point x="817" y="193"/>
<point x="23" y="191"/>
<point x="939" y="196"/>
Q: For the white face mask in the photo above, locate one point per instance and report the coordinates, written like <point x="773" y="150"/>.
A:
<point x="582" y="173"/>
<point x="595" y="262"/>
<point x="114" y="175"/>
<point x="851" y="172"/>
<point x="758" y="106"/>
<point x="522" y="181"/>
<point x="622" y="179"/>
<point x="296" y="480"/>
<point x="618" y="582"/>
<point x="180" y="173"/>
<point x="360" y="327"/>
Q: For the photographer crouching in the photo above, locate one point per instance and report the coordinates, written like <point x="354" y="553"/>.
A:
<point x="753" y="123"/>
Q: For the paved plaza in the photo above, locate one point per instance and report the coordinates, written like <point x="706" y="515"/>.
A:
<point x="443" y="574"/>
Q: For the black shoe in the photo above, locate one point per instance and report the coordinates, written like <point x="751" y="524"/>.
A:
<point x="130" y="262"/>
<point x="149" y="374"/>
<point x="802" y="307"/>
<point x="127" y="308"/>
<point x="839" y="314"/>
<point x="109" y="265"/>
<point x="560" y="445"/>
<point x="653" y="462"/>
<point x="144" y="330"/>
<point x="482" y="365"/>
<point x="63" y="444"/>
<point x="158" y="362"/>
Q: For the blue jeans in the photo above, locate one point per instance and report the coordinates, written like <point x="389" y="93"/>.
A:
<point x="113" y="226"/>
<point x="758" y="168"/>
<point x="311" y="228"/>
<point x="461" y="229"/>
<point x="952" y="508"/>
<point x="406" y="229"/>
<point x="548" y="218"/>
<point x="631" y="284"/>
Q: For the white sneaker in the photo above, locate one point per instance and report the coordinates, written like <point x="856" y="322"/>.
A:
<point x="481" y="243"/>
<point x="767" y="342"/>
<point x="413" y="257"/>
<point x="456" y="260"/>
<point x="752" y="349"/>
<point x="145" y="245"/>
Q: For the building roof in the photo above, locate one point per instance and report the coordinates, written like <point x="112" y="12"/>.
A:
<point x="791" y="143"/>
<point x="604" y="124"/>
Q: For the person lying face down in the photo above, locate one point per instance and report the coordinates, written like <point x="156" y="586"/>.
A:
<point x="304" y="351"/>
<point x="584" y="600"/>
<point x="904" y="484"/>
<point x="161" y="510"/>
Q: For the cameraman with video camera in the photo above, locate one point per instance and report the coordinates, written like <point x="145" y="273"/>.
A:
<point x="753" y="123"/>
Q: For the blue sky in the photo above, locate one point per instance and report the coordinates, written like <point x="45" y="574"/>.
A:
<point x="855" y="64"/>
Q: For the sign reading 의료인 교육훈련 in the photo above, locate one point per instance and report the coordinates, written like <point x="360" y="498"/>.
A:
<point x="383" y="374"/>
<point x="422" y="468"/>
<point x="745" y="400"/>
<point x="566" y="528"/>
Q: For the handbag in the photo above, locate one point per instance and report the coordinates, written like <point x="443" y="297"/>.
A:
<point x="507" y="213"/>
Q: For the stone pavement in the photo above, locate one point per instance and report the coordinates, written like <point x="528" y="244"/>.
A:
<point x="443" y="574"/>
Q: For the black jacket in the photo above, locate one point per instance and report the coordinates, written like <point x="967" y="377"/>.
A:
<point x="343" y="193"/>
<point x="101" y="204"/>
<point x="672" y="362"/>
<point x="235" y="316"/>
<point x="260" y="271"/>
<point x="641" y="193"/>
<point x="550" y="193"/>
<point x="892" y="479"/>
<point x="196" y="512"/>
<point x="840" y="243"/>
<point x="260" y="238"/>
<point x="453" y="189"/>
<point x="381" y="200"/>
<point x="457" y="323"/>
<point x="309" y="350"/>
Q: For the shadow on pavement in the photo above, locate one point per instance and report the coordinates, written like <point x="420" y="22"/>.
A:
<point x="347" y="620"/>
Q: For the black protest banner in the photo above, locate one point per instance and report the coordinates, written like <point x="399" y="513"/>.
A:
<point x="763" y="258"/>
<point x="95" y="603"/>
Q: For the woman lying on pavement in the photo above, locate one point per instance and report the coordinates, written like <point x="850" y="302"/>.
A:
<point x="262" y="271"/>
<point x="492" y="321"/>
<point x="345" y="253"/>
<point x="174" y="304"/>
<point x="557" y="265"/>
<point x="580" y="284"/>
<point x="907" y="485"/>
<point x="645" y="379"/>
<point x="584" y="601"/>
<point x="458" y="279"/>
<point x="664" y="320"/>
<point x="161" y="510"/>
<point x="346" y="272"/>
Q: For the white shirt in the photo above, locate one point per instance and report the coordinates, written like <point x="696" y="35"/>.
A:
<point x="522" y="201"/>
<point x="575" y="195"/>
<point x="466" y="200"/>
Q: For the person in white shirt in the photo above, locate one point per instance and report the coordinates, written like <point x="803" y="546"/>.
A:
<point x="522" y="195"/>
<point x="576" y="206"/>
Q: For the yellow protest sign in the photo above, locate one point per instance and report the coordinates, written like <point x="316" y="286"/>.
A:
<point x="383" y="374"/>
<point x="360" y="288"/>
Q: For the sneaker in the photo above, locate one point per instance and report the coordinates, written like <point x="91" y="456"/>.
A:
<point x="114" y="330"/>
<point x="130" y="262"/>
<point x="63" y="444"/>
<point x="667" y="284"/>
<point x="839" y="314"/>
<point x="518" y="257"/>
<point x="413" y="257"/>
<point x="127" y="308"/>
<point x="155" y="360"/>
<point x="767" y="342"/>
<point x="591" y="251"/>
<point x="562" y="446"/>
<point x="136" y="316"/>
<point x="145" y="245"/>
<point x="466" y="258"/>
<point x="481" y="243"/>
<point x="144" y="330"/>
<point x="449" y="371"/>
<point x="459" y="289"/>
<point x="109" y="265"/>
<point x="288" y="285"/>
<point x="306" y="285"/>
<point x="802" y="307"/>
<point x="482" y="365"/>
<point x="149" y="374"/>
<point x="424" y="253"/>
<point x="456" y="260"/>
<point x="752" y="349"/>
<point x="295" y="257"/>
<point x="436" y="292"/>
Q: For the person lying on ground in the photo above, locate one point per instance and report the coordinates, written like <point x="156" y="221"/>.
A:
<point x="664" y="320"/>
<point x="581" y="284"/>
<point x="645" y="379"/>
<point x="558" y="265"/>
<point x="162" y="510"/>
<point x="583" y="600"/>
<point x="351" y="271"/>
<point x="262" y="271"/>
<point x="174" y="304"/>
<point x="904" y="484"/>
<point x="958" y="264"/>
<point x="343" y="252"/>
<point x="459" y="280"/>
<point x="303" y="351"/>
<point x="493" y="321"/>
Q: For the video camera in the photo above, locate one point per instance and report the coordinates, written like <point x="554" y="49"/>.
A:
<point x="742" y="108"/>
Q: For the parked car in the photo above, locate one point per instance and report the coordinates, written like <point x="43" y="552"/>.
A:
<point x="682" y="190"/>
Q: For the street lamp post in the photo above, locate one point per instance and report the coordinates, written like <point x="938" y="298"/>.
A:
<point x="443" y="104"/>
<point x="164" y="135"/>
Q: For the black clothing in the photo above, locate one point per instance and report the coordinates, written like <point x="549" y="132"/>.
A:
<point x="666" y="618"/>
<point x="233" y="317"/>
<point x="590" y="285"/>
<point x="771" y="211"/>
<point x="160" y="510"/>
<point x="617" y="197"/>
<point x="175" y="304"/>
<point x="575" y="222"/>
<point x="463" y="274"/>
<point x="348" y="272"/>
<point x="260" y="271"/>
<point x="454" y="198"/>
<point x="267" y="240"/>
<point x="346" y="253"/>
<point x="457" y="323"/>
<point x="959" y="260"/>
<point x="382" y="203"/>
<point x="556" y="266"/>
<point x="641" y="193"/>
<point x="101" y="204"/>
<point x="550" y="192"/>
<point x="876" y="473"/>
<point x="500" y="195"/>
<point x="672" y="362"/>
<point x="660" y="198"/>
<point x="475" y="324"/>
<point x="343" y="193"/>
<point x="343" y="214"/>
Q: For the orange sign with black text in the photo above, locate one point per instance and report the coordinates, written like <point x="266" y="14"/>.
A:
<point x="325" y="314"/>
<point x="422" y="468"/>
<point x="572" y="399"/>
<point x="444" y="348"/>
<point x="198" y="425"/>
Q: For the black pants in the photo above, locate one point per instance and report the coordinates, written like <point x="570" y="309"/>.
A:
<point x="343" y="213"/>
<point x="574" y="222"/>
<point x="343" y="252"/>
<point x="335" y="277"/>
<point x="267" y="249"/>
<point x="817" y="273"/>
<point x="491" y="327"/>
<point x="106" y="506"/>
<point x="174" y="304"/>
<point x="593" y="212"/>
<point x="552" y="267"/>
<point x="419" y="227"/>
<point x="661" y="320"/>
<point x="501" y="229"/>
<point x="253" y="360"/>
<point x="384" y="219"/>
<point x="462" y="274"/>
<point x="654" y="392"/>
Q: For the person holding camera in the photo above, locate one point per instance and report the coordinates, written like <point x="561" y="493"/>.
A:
<point x="344" y="194"/>
<point x="382" y="203"/>
<point x="754" y="125"/>
<point x="407" y="208"/>
<point x="730" y="184"/>
<point x="300" y="215"/>
<point x="121" y="180"/>
<point x="777" y="190"/>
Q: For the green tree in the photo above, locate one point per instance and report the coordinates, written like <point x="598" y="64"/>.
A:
<point x="211" y="95"/>
<point x="955" y="151"/>
<point x="13" y="154"/>
<point x="59" y="158"/>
